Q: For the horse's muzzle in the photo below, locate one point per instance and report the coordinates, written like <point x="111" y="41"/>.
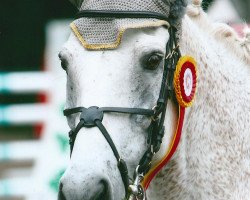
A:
<point x="102" y="194"/>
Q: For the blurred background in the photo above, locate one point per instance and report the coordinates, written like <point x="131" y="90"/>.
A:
<point x="34" y="149"/>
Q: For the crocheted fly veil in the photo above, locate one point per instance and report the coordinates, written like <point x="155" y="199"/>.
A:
<point x="106" y="33"/>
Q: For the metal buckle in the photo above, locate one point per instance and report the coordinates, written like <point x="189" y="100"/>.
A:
<point x="154" y="117"/>
<point x="170" y="55"/>
<point x="137" y="191"/>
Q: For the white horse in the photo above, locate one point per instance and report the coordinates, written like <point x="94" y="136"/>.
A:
<point x="213" y="157"/>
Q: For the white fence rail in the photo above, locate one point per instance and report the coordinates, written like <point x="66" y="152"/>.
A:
<point x="17" y="151"/>
<point x="25" y="82"/>
<point x="23" y="114"/>
<point x="12" y="187"/>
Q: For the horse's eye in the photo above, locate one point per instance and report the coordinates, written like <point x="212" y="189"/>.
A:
<point x="64" y="62"/>
<point x="153" y="61"/>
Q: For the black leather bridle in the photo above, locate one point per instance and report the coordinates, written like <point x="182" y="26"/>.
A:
<point x="93" y="116"/>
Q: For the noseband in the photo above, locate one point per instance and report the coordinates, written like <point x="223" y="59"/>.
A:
<point x="93" y="116"/>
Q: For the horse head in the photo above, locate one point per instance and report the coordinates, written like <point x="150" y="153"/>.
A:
<point x="126" y="72"/>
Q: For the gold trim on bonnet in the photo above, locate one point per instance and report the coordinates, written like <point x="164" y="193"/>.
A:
<point x="120" y="34"/>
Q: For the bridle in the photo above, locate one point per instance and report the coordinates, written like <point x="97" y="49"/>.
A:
<point x="93" y="116"/>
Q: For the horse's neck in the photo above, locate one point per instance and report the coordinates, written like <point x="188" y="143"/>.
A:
<point x="208" y="163"/>
<point x="222" y="33"/>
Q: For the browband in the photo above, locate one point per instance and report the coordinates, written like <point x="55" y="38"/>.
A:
<point x="120" y="14"/>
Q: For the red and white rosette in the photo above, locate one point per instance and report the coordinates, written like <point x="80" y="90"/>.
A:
<point x="185" y="79"/>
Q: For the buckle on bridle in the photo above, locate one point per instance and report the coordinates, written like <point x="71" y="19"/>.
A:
<point x="136" y="190"/>
<point x="170" y="55"/>
<point x="156" y="114"/>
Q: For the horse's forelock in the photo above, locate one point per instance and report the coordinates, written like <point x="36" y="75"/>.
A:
<point x="177" y="10"/>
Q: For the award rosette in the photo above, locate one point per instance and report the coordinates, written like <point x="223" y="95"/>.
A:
<point x="185" y="80"/>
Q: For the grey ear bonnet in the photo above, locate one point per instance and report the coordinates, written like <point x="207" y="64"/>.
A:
<point x="106" y="33"/>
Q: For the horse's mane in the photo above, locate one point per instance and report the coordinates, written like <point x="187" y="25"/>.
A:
<point x="177" y="10"/>
<point x="221" y="32"/>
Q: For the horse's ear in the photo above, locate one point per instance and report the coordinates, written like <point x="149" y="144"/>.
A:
<point x="77" y="3"/>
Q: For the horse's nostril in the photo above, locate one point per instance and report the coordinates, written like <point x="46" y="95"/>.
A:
<point x="60" y="194"/>
<point x="103" y="193"/>
<point x="96" y="190"/>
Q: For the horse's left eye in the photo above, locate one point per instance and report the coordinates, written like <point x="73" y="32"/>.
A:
<point x="64" y="61"/>
<point x="153" y="61"/>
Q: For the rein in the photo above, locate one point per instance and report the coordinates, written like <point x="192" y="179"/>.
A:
<point x="93" y="116"/>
